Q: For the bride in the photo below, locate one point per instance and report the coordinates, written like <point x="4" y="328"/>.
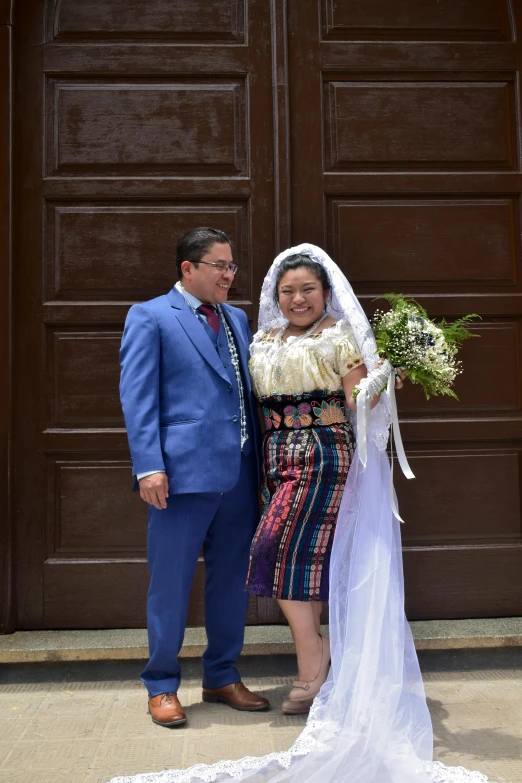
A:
<point x="369" y="722"/>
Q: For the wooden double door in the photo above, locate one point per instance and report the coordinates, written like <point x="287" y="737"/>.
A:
<point x="387" y="132"/>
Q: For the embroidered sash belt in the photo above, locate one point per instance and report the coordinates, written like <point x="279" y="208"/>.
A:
<point x="302" y="411"/>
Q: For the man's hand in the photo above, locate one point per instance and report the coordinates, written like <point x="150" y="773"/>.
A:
<point x="154" y="489"/>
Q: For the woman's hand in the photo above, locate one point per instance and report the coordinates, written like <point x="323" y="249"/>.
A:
<point x="355" y="376"/>
<point x="401" y="376"/>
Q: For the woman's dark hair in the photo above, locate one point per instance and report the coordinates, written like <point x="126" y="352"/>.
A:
<point x="296" y="262"/>
<point x="195" y="243"/>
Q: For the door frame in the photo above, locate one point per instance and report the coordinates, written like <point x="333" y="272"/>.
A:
<point x="7" y="618"/>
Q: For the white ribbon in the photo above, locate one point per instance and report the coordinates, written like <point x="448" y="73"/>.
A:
<point x="369" y="387"/>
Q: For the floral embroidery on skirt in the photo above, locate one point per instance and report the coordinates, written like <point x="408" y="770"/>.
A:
<point x="312" y="409"/>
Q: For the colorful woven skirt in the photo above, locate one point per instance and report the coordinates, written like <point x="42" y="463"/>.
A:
<point x="307" y="451"/>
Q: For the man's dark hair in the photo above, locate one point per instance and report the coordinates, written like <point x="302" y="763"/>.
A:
<point x="296" y="262"/>
<point x="195" y="243"/>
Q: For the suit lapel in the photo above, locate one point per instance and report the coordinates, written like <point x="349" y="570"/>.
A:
<point x="239" y="337"/>
<point x="195" y="331"/>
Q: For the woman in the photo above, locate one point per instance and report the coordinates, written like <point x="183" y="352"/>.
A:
<point x="303" y="373"/>
<point x="369" y="723"/>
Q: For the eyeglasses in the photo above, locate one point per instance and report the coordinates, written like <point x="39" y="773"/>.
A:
<point x="222" y="267"/>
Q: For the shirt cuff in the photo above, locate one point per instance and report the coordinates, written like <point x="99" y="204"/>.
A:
<point x="148" y="473"/>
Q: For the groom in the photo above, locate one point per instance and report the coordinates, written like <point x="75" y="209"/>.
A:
<point x="192" y="429"/>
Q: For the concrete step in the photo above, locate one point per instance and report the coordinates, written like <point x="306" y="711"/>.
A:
<point x="131" y="644"/>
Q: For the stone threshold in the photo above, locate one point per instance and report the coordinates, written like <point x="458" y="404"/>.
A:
<point x="131" y="644"/>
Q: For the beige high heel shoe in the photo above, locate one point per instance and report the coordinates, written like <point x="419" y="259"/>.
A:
<point x="300" y="698"/>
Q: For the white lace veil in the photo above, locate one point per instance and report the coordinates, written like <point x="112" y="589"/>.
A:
<point x="370" y="722"/>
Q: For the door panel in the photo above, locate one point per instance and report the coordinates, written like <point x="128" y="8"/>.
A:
<point x="421" y="20"/>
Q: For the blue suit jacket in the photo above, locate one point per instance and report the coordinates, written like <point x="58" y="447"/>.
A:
<point x="176" y="398"/>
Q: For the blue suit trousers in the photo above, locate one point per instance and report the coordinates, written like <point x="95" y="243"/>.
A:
<point x="223" y="524"/>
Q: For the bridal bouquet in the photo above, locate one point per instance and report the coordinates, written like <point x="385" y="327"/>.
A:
<point x="426" y="350"/>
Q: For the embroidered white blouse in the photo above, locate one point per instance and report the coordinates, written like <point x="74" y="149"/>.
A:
<point x="298" y="366"/>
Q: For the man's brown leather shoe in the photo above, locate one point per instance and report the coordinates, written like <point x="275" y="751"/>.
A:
<point x="165" y="710"/>
<point x="236" y="696"/>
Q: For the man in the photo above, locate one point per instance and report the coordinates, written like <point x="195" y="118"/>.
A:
<point x="192" y="429"/>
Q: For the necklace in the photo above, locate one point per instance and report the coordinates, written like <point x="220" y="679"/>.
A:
<point x="237" y="368"/>
<point x="279" y="345"/>
<point x="299" y="337"/>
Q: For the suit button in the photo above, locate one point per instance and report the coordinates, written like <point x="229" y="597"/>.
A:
<point x="235" y="418"/>
<point x="225" y="365"/>
<point x="220" y="345"/>
<point x="229" y="387"/>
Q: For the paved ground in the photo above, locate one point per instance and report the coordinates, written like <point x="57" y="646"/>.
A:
<point x="86" y="722"/>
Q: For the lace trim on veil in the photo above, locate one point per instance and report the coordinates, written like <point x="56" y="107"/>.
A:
<point x="235" y="770"/>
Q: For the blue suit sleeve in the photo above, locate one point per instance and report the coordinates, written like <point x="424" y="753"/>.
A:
<point x="139" y="389"/>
